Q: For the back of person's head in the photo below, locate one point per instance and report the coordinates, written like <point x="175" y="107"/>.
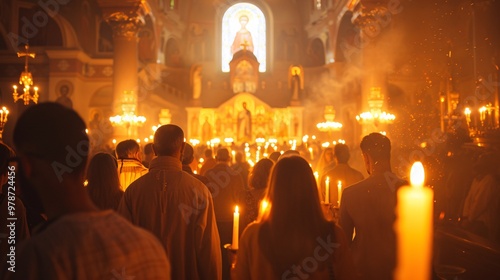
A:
<point x="293" y="193"/>
<point x="260" y="174"/>
<point x="289" y="153"/>
<point x="377" y="146"/>
<point x="148" y="149"/>
<point x="208" y="153"/>
<point x="103" y="180"/>
<point x="168" y="140"/>
<point x="127" y="148"/>
<point x="187" y="154"/>
<point x="103" y="167"/>
<point x="238" y="157"/>
<point x="274" y="156"/>
<point x="342" y="153"/>
<point x="56" y="134"/>
<point x="222" y="155"/>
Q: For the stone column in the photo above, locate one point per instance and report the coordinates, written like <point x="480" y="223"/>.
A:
<point x="125" y="57"/>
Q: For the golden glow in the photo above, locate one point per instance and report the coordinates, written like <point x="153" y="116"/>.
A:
<point x="417" y="174"/>
<point x="382" y="117"/>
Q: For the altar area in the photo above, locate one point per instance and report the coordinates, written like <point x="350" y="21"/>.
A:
<point x="232" y="121"/>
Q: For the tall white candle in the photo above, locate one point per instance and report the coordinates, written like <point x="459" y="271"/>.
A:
<point x="236" y="226"/>
<point x="327" y="190"/>
<point x="339" y="189"/>
<point x="414" y="228"/>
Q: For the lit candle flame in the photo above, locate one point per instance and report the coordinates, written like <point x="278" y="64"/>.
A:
<point x="236" y="209"/>
<point x="417" y="174"/>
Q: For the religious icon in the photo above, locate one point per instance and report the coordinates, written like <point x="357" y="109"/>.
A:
<point x="244" y="123"/>
<point x="243" y="38"/>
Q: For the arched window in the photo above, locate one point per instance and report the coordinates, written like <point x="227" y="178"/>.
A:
<point x="243" y="26"/>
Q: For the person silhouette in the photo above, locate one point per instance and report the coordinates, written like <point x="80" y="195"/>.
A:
<point x="243" y="38"/>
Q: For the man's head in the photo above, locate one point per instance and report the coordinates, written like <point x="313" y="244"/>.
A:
<point x="342" y="153"/>
<point x="169" y="141"/>
<point x="208" y="154"/>
<point x="223" y="155"/>
<point x="149" y="153"/>
<point x="187" y="154"/>
<point x="376" y="149"/>
<point x="128" y="149"/>
<point x="244" y="105"/>
<point x="54" y="134"/>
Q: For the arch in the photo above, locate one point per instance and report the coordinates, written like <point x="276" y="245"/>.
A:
<point x="236" y="31"/>
<point x="173" y="55"/>
<point x="346" y="38"/>
<point x="316" y="53"/>
<point x="43" y="30"/>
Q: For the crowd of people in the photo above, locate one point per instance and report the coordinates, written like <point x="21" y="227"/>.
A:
<point x="160" y="216"/>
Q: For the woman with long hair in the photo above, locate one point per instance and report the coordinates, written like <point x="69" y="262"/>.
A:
<point x="103" y="182"/>
<point x="292" y="238"/>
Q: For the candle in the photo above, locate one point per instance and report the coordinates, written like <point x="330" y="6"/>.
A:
<point x="311" y="153"/>
<point x="339" y="189"/>
<point x="236" y="225"/>
<point x="327" y="190"/>
<point x="316" y="175"/>
<point x="414" y="227"/>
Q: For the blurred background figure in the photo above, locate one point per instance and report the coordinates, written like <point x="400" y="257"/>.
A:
<point x="325" y="162"/>
<point x="149" y="154"/>
<point x="257" y="186"/>
<point x="188" y="163"/>
<point x="208" y="161"/>
<point x="481" y="213"/>
<point x="241" y="167"/>
<point x="295" y="226"/>
<point x="342" y="172"/>
<point x="103" y="183"/>
<point x="226" y="186"/>
<point x="130" y="165"/>
<point x="274" y="156"/>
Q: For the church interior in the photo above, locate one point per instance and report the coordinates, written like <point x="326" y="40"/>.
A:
<point x="229" y="72"/>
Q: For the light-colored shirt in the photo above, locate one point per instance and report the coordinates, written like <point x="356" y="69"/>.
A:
<point x="91" y="245"/>
<point x="130" y="170"/>
<point x="178" y="209"/>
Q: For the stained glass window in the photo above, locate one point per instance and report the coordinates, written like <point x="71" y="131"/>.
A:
<point x="243" y="26"/>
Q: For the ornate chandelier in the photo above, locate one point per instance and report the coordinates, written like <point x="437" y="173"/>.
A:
<point x="128" y="118"/>
<point x="26" y="79"/>
<point x="329" y="125"/>
<point x="375" y="115"/>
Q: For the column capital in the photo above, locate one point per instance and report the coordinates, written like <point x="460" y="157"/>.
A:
<point x="124" y="24"/>
<point x="125" y="17"/>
